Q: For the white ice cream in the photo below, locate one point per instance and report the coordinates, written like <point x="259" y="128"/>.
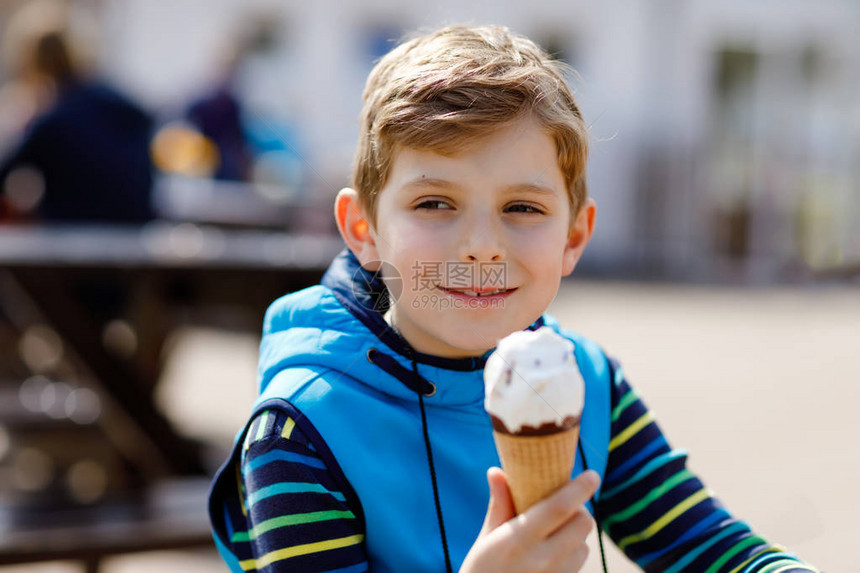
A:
<point x="532" y="379"/>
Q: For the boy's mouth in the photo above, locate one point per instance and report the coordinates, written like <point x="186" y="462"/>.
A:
<point x="477" y="292"/>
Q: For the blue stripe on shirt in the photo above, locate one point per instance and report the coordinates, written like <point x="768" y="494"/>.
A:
<point x="360" y="568"/>
<point x="651" y="466"/>
<point x="784" y="559"/>
<point x="691" y="533"/>
<point x="655" y="445"/>
<point x="282" y="456"/>
<point x="693" y="555"/>
<point x="281" y="488"/>
<point x="228" y="523"/>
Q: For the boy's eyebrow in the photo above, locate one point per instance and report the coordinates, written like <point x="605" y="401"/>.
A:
<point x="531" y="187"/>
<point x="423" y="181"/>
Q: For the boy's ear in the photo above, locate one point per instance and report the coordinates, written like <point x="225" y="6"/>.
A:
<point x="579" y="235"/>
<point x="355" y="229"/>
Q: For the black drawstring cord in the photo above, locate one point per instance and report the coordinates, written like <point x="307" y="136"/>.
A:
<point x="596" y="518"/>
<point x="432" y="469"/>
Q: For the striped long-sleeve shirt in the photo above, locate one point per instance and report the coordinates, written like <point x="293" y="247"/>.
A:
<point x="657" y="511"/>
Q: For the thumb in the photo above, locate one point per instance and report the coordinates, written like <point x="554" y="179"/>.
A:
<point x="501" y="507"/>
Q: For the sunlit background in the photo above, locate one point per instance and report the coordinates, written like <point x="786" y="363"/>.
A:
<point x="724" y="159"/>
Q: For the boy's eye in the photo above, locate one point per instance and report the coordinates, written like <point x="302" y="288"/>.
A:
<point x="523" y="208"/>
<point x="433" y="204"/>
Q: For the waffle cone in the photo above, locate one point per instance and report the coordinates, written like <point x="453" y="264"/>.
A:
<point x="536" y="466"/>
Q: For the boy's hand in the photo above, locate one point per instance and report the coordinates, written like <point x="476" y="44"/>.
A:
<point x="549" y="536"/>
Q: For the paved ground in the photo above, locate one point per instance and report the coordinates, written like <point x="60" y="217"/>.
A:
<point x="759" y="385"/>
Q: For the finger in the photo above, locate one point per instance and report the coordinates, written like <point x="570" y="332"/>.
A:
<point x="501" y="508"/>
<point x="547" y="516"/>
<point x="573" y="533"/>
<point x="566" y="549"/>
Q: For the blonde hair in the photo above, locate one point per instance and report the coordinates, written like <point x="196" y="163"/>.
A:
<point x="445" y="90"/>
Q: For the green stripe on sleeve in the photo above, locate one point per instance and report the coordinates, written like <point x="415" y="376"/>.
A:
<point x="629" y="398"/>
<point x="287" y="520"/>
<point x="261" y="427"/>
<point x="667" y="518"/>
<point x="748" y="542"/>
<point x="667" y="485"/>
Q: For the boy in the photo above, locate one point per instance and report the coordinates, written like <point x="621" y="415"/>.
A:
<point x="369" y="444"/>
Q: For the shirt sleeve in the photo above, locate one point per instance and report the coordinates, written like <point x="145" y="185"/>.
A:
<point x="290" y="514"/>
<point x="660" y="514"/>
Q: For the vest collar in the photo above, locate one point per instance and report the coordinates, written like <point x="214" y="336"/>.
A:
<point x="364" y="295"/>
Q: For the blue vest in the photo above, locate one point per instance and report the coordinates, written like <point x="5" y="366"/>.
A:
<point x="375" y="439"/>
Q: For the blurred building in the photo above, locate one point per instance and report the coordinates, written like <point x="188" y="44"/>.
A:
<point x="724" y="134"/>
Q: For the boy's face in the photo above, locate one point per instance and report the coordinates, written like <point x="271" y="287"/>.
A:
<point x="494" y="220"/>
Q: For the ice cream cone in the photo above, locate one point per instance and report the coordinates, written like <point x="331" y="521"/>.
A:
<point x="536" y="466"/>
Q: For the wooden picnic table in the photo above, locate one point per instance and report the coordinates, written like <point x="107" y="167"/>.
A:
<point x="169" y="275"/>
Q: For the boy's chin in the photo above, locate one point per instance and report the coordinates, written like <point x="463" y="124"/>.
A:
<point x="479" y="343"/>
<point x="460" y="347"/>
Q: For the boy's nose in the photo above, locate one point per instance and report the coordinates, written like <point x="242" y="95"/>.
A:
<point x="482" y="243"/>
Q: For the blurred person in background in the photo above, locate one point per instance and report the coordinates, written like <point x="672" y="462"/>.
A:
<point x="217" y="114"/>
<point x="82" y="154"/>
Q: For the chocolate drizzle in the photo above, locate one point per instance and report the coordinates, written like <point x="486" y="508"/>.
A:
<point x="543" y="430"/>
